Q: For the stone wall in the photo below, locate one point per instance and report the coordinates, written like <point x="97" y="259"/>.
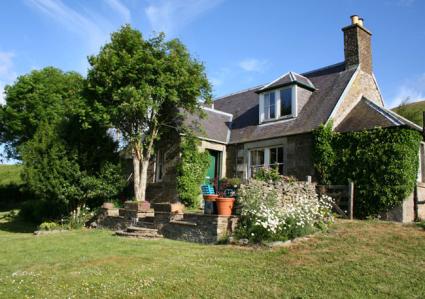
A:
<point x="195" y="227"/>
<point x="364" y="85"/>
<point x="111" y="219"/>
<point x="405" y="212"/>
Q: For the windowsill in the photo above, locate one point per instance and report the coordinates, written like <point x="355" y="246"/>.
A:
<point x="286" y="117"/>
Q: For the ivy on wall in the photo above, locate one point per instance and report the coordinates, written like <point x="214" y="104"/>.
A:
<point x="191" y="170"/>
<point x="383" y="164"/>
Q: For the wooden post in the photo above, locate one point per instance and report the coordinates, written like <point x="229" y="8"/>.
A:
<point x="350" y="200"/>
<point x="415" y="204"/>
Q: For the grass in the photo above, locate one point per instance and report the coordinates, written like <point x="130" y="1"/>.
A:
<point x="10" y="174"/>
<point x="354" y="260"/>
<point x="411" y="111"/>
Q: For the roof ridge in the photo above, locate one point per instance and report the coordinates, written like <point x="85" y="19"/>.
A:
<point x="322" y="68"/>
<point x="395" y="115"/>
<point x="237" y="92"/>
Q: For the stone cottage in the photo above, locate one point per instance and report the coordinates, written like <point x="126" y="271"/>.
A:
<point x="272" y="124"/>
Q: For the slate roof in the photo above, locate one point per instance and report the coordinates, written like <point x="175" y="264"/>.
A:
<point x="367" y="115"/>
<point x="326" y="86"/>
<point x="215" y="126"/>
<point x="329" y="82"/>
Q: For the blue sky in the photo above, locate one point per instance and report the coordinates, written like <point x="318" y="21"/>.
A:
<point x="242" y="43"/>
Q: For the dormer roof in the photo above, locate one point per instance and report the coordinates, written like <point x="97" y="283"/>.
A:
<point x="288" y="79"/>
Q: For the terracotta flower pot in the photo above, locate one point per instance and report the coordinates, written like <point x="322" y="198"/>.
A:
<point x="211" y="197"/>
<point x="225" y="205"/>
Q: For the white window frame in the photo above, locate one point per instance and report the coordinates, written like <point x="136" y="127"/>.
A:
<point x="266" y="164"/>
<point x="262" y="99"/>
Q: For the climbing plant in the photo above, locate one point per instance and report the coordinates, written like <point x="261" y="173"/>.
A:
<point x="383" y="163"/>
<point x="191" y="170"/>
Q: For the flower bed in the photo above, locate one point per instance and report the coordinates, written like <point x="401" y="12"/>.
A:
<point x="281" y="210"/>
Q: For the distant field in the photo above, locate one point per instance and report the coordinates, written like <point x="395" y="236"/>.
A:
<point x="412" y="111"/>
<point x="10" y="174"/>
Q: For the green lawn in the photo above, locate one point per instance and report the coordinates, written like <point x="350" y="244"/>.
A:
<point x="353" y="260"/>
<point x="10" y="174"/>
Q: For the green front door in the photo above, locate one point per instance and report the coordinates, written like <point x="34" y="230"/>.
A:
<point x="211" y="173"/>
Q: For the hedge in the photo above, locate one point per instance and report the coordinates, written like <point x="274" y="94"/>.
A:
<point x="383" y="164"/>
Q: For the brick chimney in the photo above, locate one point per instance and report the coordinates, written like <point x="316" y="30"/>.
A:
<point x="357" y="48"/>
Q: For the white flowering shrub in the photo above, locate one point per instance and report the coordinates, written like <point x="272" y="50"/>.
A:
<point x="281" y="210"/>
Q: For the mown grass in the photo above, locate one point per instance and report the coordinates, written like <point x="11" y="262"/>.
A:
<point x="353" y="260"/>
<point x="10" y="174"/>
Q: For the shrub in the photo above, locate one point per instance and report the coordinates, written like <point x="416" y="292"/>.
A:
<point x="268" y="214"/>
<point x="191" y="170"/>
<point x="382" y="163"/>
<point x="48" y="226"/>
<point x="264" y="174"/>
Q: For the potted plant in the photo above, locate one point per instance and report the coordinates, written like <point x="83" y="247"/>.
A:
<point x="224" y="205"/>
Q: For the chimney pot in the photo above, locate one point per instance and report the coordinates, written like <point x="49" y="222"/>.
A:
<point x="354" y="19"/>
<point x="361" y="22"/>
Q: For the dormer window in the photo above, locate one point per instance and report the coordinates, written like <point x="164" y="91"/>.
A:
<point x="278" y="99"/>
<point x="278" y="104"/>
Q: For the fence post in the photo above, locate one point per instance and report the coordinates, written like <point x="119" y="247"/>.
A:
<point x="350" y="200"/>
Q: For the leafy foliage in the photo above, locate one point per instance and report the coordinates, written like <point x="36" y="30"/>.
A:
<point x="265" y="175"/>
<point x="42" y="95"/>
<point x="191" y="170"/>
<point x="383" y="164"/>
<point x="47" y="123"/>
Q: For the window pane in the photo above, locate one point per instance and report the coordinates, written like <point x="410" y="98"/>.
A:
<point x="253" y="157"/>
<point x="273" y="155"/>
<point x="286" y="101"/>
<point x="280" y="155"/>
<point x="261" y="157"/>
<point x="272" y="112"/>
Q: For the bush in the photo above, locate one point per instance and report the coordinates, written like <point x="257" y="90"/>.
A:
<point x="191" y="170"/>
<point x="266" y="175"/>
<point x="48" y="226"/>
<point x="268" y="215"/>
<point x="382" y="163"/>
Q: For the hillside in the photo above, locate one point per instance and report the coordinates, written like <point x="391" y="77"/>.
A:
<point x="412" y="111"/>
<point x="10" y="174"/>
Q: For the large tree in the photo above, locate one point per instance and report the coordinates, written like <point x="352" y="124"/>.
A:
<point x="138" y="86"/>
<point x="42" y="95"/>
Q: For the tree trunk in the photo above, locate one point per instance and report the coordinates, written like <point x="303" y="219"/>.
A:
<point x="144" y="179"/>
<point x="136" y="177"/>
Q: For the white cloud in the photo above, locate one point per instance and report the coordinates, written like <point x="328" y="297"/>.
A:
<point x="413" y="89"/>
<point x="121" y="9"/>
<point x="7" y="72"/>
<point x="253" y="65"/>
<point x="171" y="15"/>
<point x="2" y="101"/>
<point x="90" y="26"/>
<point x="6" y="66"/>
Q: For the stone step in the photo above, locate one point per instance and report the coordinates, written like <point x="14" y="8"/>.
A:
<point x="145" y="224"/>
<point x="147" y="219"/>
<point x="137" y="235"/>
